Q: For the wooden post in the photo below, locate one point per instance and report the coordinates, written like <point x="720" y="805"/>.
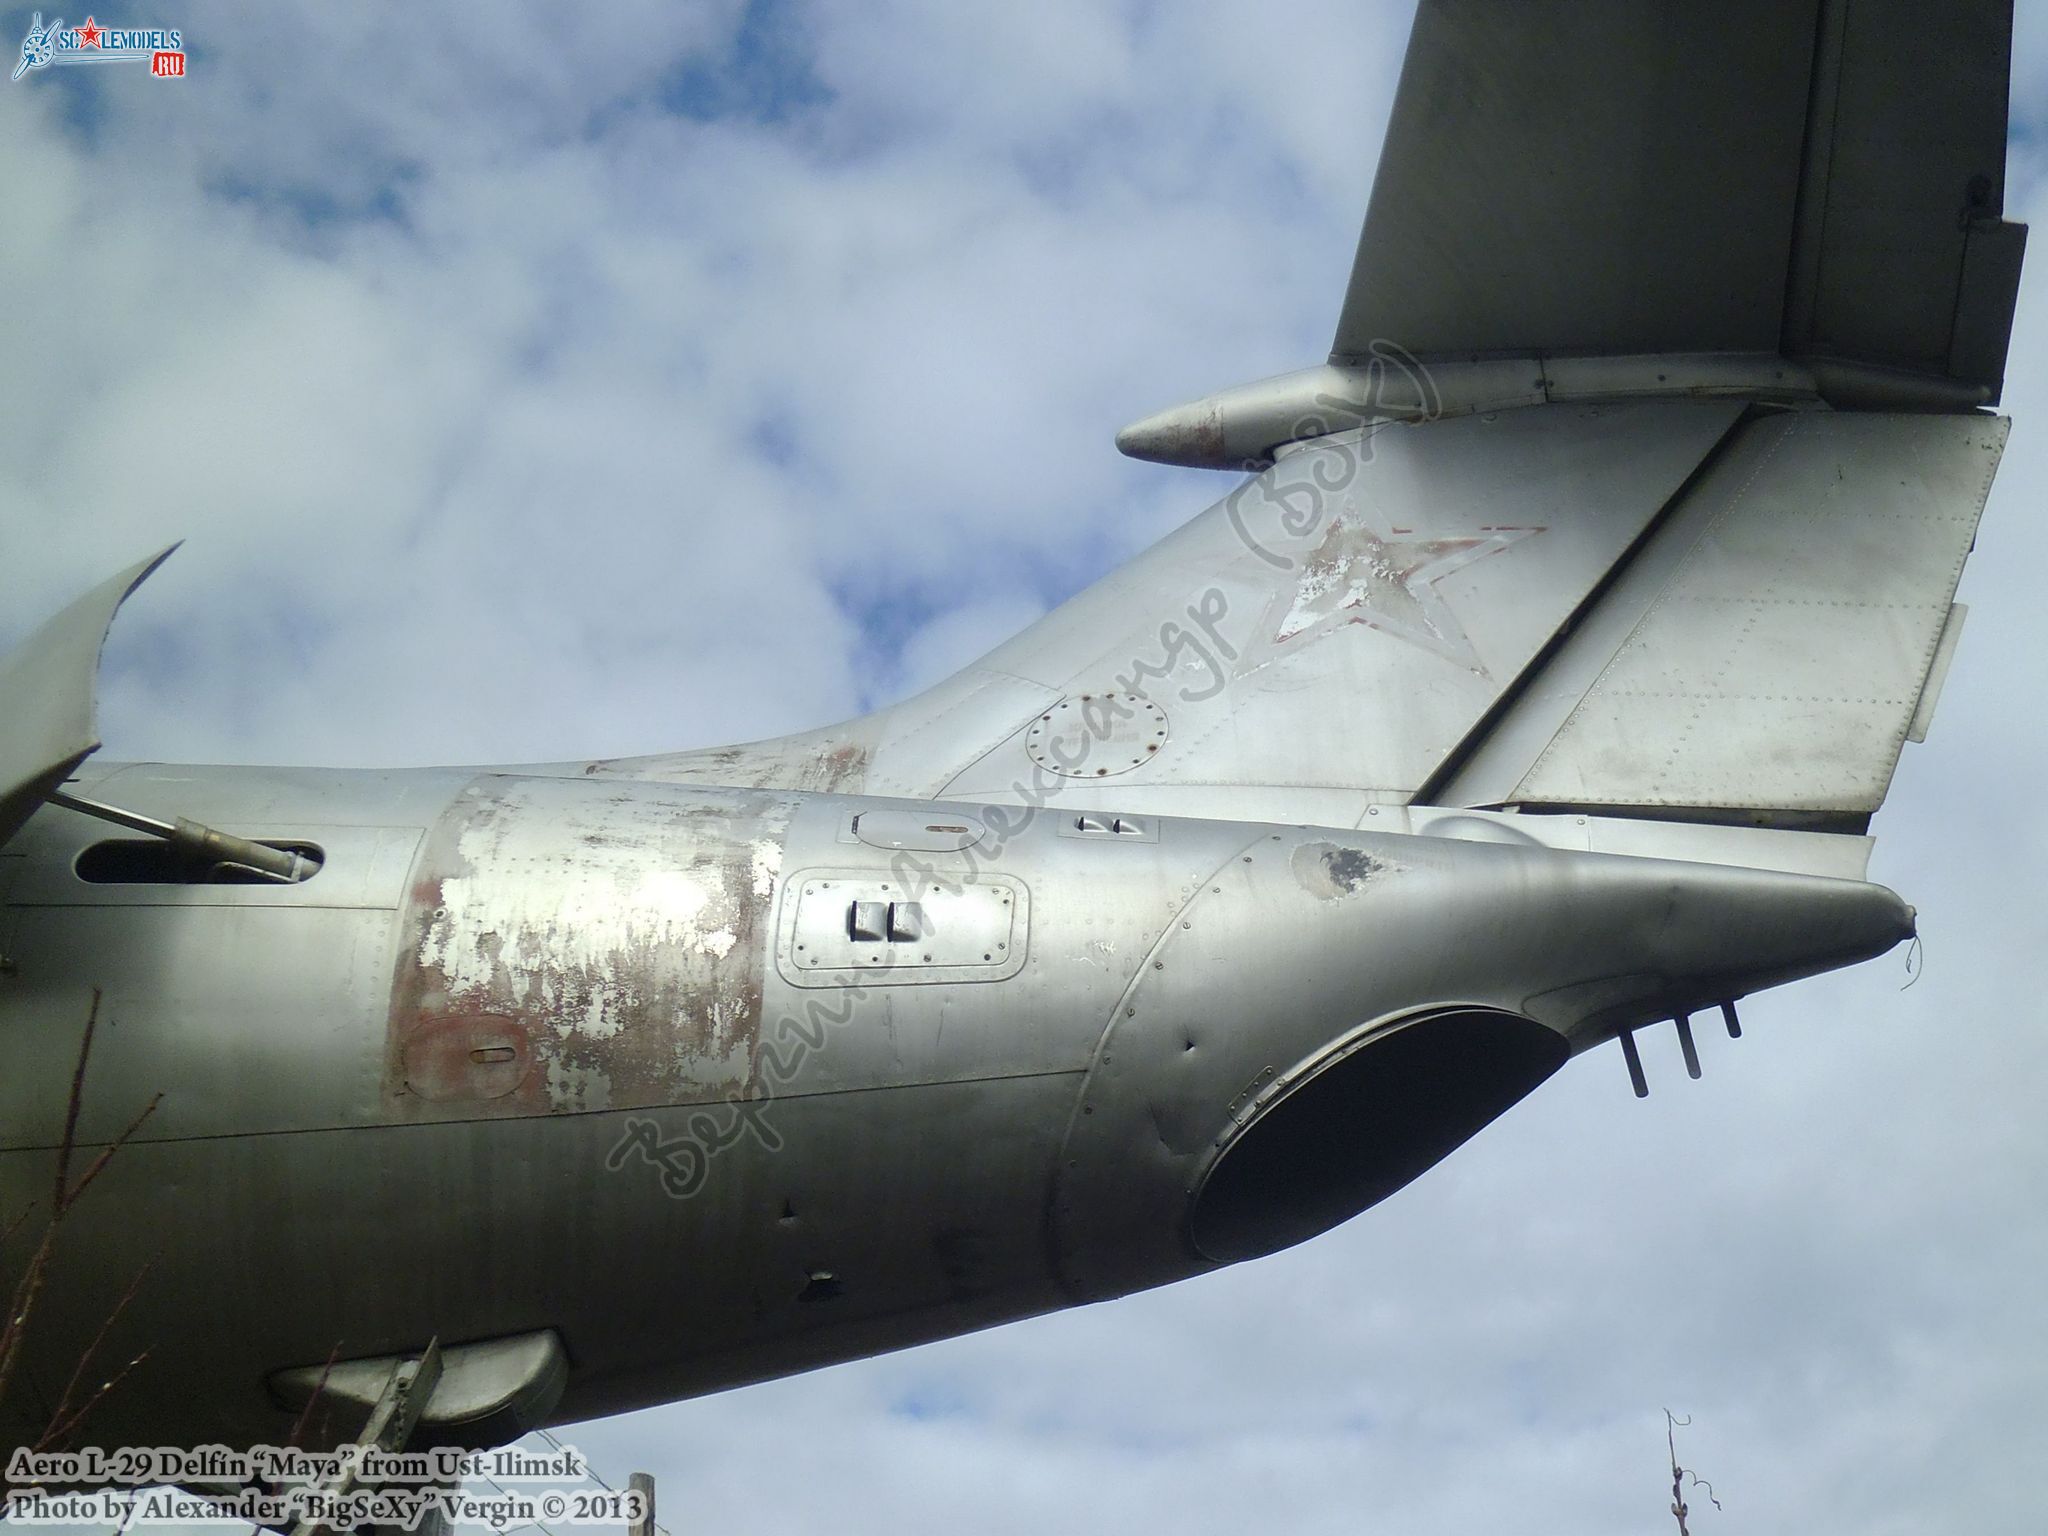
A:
<point x="642" y="1483"/>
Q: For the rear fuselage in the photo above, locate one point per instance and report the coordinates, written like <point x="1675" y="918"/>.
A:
<point x="724" y="1084"/>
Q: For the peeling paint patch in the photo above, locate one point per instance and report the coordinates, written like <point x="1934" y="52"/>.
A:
<point x="616" y="931"/>
<point x="767" y="865"/>
<point x="1330" y="871"/>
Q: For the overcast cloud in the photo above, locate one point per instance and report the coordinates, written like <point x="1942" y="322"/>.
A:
<point x="591" y="382"/>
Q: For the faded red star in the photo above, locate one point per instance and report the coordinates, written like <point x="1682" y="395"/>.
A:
<point x="1388" y="583"/>
<point x="89" y="34"/>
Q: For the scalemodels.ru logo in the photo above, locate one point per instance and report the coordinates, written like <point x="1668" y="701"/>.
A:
<point x="162" y="48"/>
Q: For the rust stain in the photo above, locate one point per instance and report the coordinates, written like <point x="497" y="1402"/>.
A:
<point x="840" y="767"/>
<point x="466" y="1056"/>
<point x="816" y="764"/>
<point x="816" y="767"/>
<point x="575" y="945"/>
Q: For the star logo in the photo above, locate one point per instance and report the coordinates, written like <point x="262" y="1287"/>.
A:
<point x="89" y="34"/>
<point x="1387" y="583"/>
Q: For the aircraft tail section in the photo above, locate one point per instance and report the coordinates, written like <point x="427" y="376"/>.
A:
<point x="1662" y="609"/>
<point x="1636" y="486"/>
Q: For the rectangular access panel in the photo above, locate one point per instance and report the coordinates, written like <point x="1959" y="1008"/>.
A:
<point x="841" y="925"/>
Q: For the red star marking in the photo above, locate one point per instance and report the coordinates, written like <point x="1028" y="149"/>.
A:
<point x="89" y="34"/>
<point x="1390" y="584"/>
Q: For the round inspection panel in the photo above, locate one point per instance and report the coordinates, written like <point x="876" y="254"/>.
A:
<point x="1097" y="735"/>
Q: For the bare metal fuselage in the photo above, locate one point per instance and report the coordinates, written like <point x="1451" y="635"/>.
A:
<point x="718" y="1084"/>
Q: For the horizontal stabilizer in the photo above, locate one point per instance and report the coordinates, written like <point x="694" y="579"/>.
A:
<point x="1771" y="647"/>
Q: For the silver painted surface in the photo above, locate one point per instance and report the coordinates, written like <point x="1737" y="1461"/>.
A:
<point x="1833" y="855"/>
<point x="1601" y="175"/>
<point x="902" y="1141"/>
<point x="536" y="1054"/>
<point x="850" y="927"/>
<point x="1822" y="177"/>
<point x="1937" y="671"/>
<point x="1781" y="664"/>
<point x="1427" y="612"/>
<point x="1315" y="643"/>
<point x="1249" y="425"/>
<point x="487" y="1392"/>
<point x="47" y="687"/>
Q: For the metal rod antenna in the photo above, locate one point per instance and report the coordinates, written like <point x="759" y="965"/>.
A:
<point x="1635" y="1064"/>
<point x="132" y="820"/>
<point x="201" y="841"/>
<point x="1685" y="1044"/>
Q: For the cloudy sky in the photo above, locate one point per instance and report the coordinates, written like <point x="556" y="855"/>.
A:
<point x="590" y="383"/>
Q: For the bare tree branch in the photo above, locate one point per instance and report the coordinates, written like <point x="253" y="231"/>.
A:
<point x="21" y="1305"/>
<point x="17" y="1224"/>
<point x="63" y="1421"/>
<point x="319" y="1390"/>
<point x="107" y="1152"/>
<point x="1679" y="1508"/>
<point x="69" y="1414"/>
<point x="71" y="1108"/>
<point x="57" y="1435"/>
